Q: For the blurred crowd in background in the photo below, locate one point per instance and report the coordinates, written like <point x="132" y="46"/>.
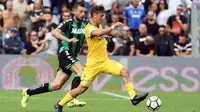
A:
<point x="152" y="27"/>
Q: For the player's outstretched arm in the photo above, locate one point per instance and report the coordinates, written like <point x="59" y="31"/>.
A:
<point x="57" y="33"/>
<point x="105" y="31"/>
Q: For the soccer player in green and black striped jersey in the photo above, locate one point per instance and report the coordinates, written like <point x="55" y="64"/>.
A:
<point x="72" y="33"/>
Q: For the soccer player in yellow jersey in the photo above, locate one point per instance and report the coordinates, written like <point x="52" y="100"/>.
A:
<point x="98" y="61"/>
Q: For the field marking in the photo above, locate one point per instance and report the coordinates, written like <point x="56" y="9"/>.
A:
<point x="116" y="95"/>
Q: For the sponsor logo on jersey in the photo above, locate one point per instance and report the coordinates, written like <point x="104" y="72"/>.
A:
<point x="77" y="31"/>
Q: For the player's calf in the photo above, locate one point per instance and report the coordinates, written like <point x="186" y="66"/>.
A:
<point x="125" y="76"/>
<point x="130" y="88"/>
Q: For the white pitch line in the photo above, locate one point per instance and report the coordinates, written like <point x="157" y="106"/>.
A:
<point x="116" y="95"/>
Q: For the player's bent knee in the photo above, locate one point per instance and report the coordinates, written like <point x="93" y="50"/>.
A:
<point x="85" y="83"/>
<point x="55" y="87"/>
<point x="124" y="72"/>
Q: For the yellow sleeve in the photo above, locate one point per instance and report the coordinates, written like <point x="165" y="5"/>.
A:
<point x="88" y="31"/>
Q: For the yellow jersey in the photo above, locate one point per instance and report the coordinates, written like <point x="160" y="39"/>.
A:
<point x="97" y="46"/>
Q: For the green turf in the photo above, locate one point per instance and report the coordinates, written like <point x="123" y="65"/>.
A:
<point x="98" y="102"/>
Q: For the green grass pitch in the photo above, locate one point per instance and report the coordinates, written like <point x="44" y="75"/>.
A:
<point x="98" y="102"/>
<point x="178" y="101"/>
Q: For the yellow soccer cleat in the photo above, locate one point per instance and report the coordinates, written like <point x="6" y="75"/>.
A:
<point x="76" y="103"/>
<point x="25" y="98"/>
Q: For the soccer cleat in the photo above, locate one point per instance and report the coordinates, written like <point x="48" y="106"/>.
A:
<point x="76" y="103"/>
<point x="71" y="104"/>
<point x="79" y="103"/>
<point x="25" y="98"/>
<point x="58" y="108"/>
<point x="138" y="98"/>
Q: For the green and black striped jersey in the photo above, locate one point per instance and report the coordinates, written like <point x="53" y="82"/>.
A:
<point x="72" y="29"/>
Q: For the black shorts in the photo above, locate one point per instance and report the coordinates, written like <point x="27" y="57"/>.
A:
<point x="66" y="61"/>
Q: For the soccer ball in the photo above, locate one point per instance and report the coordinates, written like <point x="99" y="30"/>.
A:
<point x="154" y="103"/>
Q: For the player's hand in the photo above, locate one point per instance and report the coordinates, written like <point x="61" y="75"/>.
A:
<point x="110" y="54"/>
<point x="118" y="24"/>
<point x="73" y="40"/>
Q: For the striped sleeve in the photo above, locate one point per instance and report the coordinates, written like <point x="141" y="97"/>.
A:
<point x="176" y="47"/>
<point x="189" y="47"/>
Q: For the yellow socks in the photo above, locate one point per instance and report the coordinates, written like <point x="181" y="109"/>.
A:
<point x="130" y="89"/>
<point x="66" y="99"/>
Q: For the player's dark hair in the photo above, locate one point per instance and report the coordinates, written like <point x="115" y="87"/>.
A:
<point x="180" y="5"/>
<point x="162" y="26"/>
<point x="49" y="12"/>
<point x="184" y="35"/>
<point x="79" y="4"/>
<point x="65" y="6"/>
<point x="97" y="9"/>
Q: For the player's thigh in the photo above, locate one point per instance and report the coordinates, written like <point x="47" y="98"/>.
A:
<point x="68" y="61"/>
<point x="63" y="73"/>
<point x="89" y="74"/>
<point x="61" y="77"/>
<point x="77" y="67"/>
<point x="112" y="67"/>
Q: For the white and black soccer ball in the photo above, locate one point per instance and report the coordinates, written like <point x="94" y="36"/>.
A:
<point x="154" y="103"/>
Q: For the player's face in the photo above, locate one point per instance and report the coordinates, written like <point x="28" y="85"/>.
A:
<point x="179" y="10"/>
<point x="149" y="40"/>
<point x="49" y="17"/>
<point x="135" y="3"/>
<point x="33" y="36"/>
<point x="66" y="16"/>
<point x="37" y="5"/>
<point x="115" y="18"/>
<point x="99" y="17"/>
<point x="182" y="39"/>
<point x="154" y="7"/>
<point x="126" y="31"/>
<point x="162" y="4"/>
<point x="162" y="31"/>
<point x="80" y="13"/>
<point x="142" y="28"/>
<point x="13" y="33"/>
<point x="9" y="6"/>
